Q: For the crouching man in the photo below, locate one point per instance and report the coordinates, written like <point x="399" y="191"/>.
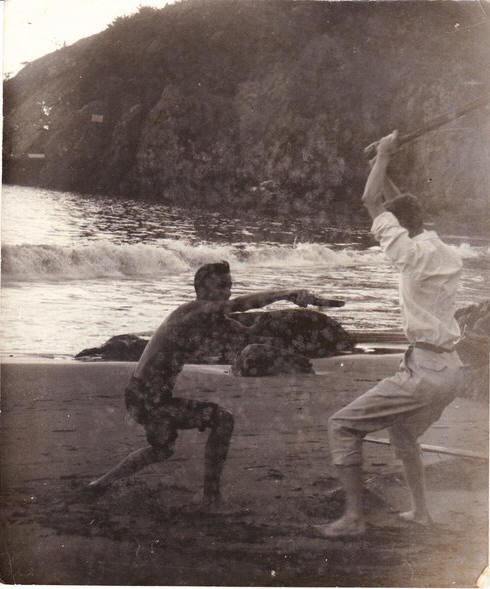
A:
<point x="430" y="375"/>
<point x="149" y="394"/>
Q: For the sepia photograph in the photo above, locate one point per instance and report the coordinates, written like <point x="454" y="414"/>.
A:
<point x="245" y="296"/>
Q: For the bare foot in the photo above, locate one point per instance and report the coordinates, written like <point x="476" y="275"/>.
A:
<point x="342" y="527"/>
<point x="412" y="517"/>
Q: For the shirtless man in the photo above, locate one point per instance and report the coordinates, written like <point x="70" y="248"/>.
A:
<point x="430" y="375"/>
<point x="149" y="394"/>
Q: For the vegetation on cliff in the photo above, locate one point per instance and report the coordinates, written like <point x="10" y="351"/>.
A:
<point x="259" y="105"/>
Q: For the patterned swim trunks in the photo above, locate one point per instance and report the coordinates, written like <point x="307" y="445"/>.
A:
<point x="162" y="415"/>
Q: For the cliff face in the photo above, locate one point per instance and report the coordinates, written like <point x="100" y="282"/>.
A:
<point x="250" y="104"/>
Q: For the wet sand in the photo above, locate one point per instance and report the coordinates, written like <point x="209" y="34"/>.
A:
<point x="63" y="423"/>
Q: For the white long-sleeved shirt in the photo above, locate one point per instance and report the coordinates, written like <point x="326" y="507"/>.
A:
<point x="429" y="277"/>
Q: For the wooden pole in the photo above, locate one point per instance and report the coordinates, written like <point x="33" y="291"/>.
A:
<point x="378" y="337"/>
<point x="436" y="122"/>
<point x="436" y="449"/>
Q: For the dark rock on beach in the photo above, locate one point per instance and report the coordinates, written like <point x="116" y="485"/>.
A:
<point x="308" y="333"/>
<point x="299" y="334"/>
<point x="474" y="322"/>
<point x="302" y="331"/>
<point x="264" y="360"/>
<point x="124" y="348"/>
<point x="473" y="348"/>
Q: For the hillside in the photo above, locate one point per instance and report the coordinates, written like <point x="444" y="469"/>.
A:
<point x="260" y="105"/>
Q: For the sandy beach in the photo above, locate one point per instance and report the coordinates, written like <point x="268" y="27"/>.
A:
<point x="65" y="422"/>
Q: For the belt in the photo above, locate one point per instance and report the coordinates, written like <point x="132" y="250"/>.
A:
<point x="432" y="348"/>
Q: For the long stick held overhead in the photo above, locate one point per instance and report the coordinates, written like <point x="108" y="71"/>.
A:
<point x="436" y="122"/>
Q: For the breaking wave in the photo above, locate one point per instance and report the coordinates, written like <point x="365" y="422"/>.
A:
<point x="106" y="260"/>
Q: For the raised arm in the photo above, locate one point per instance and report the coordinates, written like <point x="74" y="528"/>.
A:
<point x="390" y="189"/>
<point x="378" y="186"/>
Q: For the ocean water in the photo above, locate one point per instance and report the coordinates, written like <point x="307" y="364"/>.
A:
<point x="78" y="269"/>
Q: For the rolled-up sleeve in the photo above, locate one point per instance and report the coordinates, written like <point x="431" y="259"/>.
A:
<point x="394" y="240"/>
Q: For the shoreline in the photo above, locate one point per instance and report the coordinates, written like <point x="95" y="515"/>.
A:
<point x="370" y="347"/>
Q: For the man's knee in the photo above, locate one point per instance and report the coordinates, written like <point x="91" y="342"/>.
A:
<point x="162" y="451"/>
<point x="161" y="437"/>
<point x="335" y="425"/>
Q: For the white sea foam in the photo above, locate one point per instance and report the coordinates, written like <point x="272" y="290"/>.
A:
<point x="115" y="266"/>
<point x="105" y="260"/>
<point x="468" y="252"/>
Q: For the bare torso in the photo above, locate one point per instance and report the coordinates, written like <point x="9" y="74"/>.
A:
<point x="177" y="338"/>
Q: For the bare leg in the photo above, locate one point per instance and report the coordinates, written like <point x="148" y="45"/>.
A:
<point x="414" y="475"/>
<point x="131" y="464"/>
<point x="352" y="522"/>
<point x="215" y="456"/>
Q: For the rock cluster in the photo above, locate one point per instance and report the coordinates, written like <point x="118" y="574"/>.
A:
<point x="473" y="349"/>
<point x="299" y="331"/>
<point x="264" y="360"/>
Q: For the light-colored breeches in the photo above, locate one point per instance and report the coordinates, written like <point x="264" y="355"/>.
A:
<point x="406" y="403"/>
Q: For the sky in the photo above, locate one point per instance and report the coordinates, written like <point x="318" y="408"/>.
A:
<point x="33" y="28"/>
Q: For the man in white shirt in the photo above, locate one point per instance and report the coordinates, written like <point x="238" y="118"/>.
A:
<point x="430" y="374"/>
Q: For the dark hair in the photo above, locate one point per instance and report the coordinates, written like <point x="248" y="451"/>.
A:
<point x="408" y="210"/>
<point x="204" y="272"/>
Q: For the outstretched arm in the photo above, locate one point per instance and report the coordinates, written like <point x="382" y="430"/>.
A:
<point x="300" y="297"/>
<point x="257" y="300"/>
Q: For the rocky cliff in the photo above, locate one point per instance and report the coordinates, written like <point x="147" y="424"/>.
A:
<point x="251" y="104"/>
